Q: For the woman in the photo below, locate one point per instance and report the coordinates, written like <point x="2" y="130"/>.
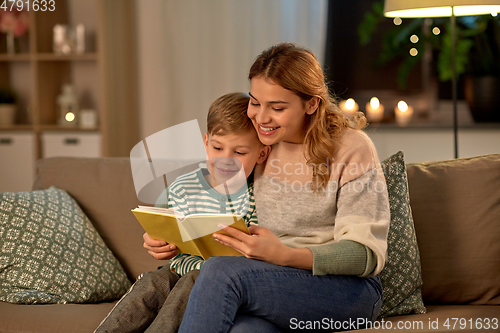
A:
<point x="323" y="214"/>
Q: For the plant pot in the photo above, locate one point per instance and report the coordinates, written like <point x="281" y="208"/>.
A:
<point x="7" y="114"/>
<point x="482" y="93"/>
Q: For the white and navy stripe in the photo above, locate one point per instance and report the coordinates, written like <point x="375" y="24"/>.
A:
<point x="191" y="194"/>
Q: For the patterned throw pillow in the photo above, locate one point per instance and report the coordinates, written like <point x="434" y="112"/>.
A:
<point x="51" y="253"/>
<point x="401" y="277"/>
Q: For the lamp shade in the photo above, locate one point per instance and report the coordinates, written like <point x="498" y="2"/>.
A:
<point x="439" y="8"/>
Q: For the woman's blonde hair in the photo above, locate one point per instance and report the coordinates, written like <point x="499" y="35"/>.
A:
<point x="297" y="69"/>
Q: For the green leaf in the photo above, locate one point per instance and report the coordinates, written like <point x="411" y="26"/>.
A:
<point x="370" y="22"/>
<point x="445" y="60"/>
<point x="367" y="27"/>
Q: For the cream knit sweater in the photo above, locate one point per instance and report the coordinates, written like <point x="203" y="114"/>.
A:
<point x="345" y="224"/>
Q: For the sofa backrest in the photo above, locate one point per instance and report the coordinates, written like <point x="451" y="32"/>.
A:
<point x="456" y="211"/>
<point x="455" y="206"/>
<point x="104" y="189"/>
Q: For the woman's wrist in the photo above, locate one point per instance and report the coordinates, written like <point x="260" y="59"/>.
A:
<point x="298" y="258"/>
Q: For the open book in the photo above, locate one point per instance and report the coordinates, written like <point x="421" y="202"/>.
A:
<point x="191" y="234"/>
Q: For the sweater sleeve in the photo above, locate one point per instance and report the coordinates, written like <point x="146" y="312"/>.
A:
<point x="363" y="216"/>
<point x="250" y="217"/>
<point x="343" y="258"/>
<point x="182" y="263"/>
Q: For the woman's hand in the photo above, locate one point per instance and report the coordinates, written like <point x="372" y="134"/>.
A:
<point x="264" y="245"/>
<point x="159" y="249"/>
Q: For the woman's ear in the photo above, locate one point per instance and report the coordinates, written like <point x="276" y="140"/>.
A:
<point x="264" y="153"/>
<point x="312" y="105"/>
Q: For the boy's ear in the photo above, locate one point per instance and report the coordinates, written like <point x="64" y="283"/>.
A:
<point x="264" y="153"/>
<point x="205" y="139"/>
<point x="312" y="105"/>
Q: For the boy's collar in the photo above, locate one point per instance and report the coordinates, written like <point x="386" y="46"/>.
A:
<point x="204" y="171"/>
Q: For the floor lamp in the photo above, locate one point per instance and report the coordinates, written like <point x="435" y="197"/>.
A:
<point x="443" y="8"/>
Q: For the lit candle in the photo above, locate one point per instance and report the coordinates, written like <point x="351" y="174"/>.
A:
<point x="69" y="120"/>
<point x="403" y="113"/>
<point x="375" y="110"/>
<point x="349" y="107"/>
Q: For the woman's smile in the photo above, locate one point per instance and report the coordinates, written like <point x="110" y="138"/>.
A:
<point x="266" y="130"/>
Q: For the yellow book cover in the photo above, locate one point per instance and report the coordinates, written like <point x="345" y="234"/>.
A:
<point x="191" y="234"/>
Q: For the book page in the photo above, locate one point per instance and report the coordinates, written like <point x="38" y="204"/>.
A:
<point x="160" y="210"/>
<point x="165" y="227"/>
<point x="197" y="226"/>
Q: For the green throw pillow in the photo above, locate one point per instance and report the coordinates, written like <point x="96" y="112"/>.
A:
<point x="401" y="277"/>
<point x="51" y="253"/>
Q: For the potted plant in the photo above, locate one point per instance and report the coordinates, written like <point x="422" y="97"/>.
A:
<point x="477" y="53"/>
<point x="482" y="84"/>
<point x="7" y="107"/>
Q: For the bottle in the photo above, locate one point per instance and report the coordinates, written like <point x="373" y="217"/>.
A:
<point x="68" y="106"/>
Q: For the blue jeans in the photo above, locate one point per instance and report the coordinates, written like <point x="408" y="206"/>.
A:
<point x="235" y="293"/>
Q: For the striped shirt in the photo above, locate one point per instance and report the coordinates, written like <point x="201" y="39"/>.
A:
<point x="191" y="194"/>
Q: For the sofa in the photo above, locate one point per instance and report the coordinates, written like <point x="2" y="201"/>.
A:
<point x="455" y="207"/>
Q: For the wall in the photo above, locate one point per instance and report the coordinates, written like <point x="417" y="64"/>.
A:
<point x="420" y="144"/>
<point x="193" y="51"/>
<point x="149" y="60"/>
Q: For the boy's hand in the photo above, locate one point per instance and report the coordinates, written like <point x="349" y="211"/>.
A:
<point x="159" y="249"/>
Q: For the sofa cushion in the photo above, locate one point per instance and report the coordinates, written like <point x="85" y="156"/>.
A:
<point x="51" y="253"/>
<point x="52" y="318"/>
<point x="456" y="208"/>
<point x="104" y="189"/>
<point x="401" y="277"/>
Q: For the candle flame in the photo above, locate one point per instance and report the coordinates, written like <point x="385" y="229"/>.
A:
<point x="70" y="116"/>
<point x="402" y="106"/>
<point x="350" y="103"/>
<point x="374" y="102"/>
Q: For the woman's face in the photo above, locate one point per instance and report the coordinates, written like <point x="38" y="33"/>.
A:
<point x="278" y="114"/>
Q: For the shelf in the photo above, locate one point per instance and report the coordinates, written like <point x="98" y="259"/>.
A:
<point x="43" y="128"/>
<point x="17" y="128"/>
<point x="47" y="57"/>
<point x="58" y="128"/>
<point x="37" y="74"/>
<point x="431" y="125"/>
<point x="15" y="57"/>
<point x="65" y="57"/>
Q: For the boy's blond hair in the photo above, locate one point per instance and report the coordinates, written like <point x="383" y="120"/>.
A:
<point x="228" y="115"/>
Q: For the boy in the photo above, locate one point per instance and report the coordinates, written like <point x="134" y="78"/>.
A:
<point x="157" y="300"/>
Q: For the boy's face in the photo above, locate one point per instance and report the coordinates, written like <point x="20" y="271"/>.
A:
<point x="229" y="153"/>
